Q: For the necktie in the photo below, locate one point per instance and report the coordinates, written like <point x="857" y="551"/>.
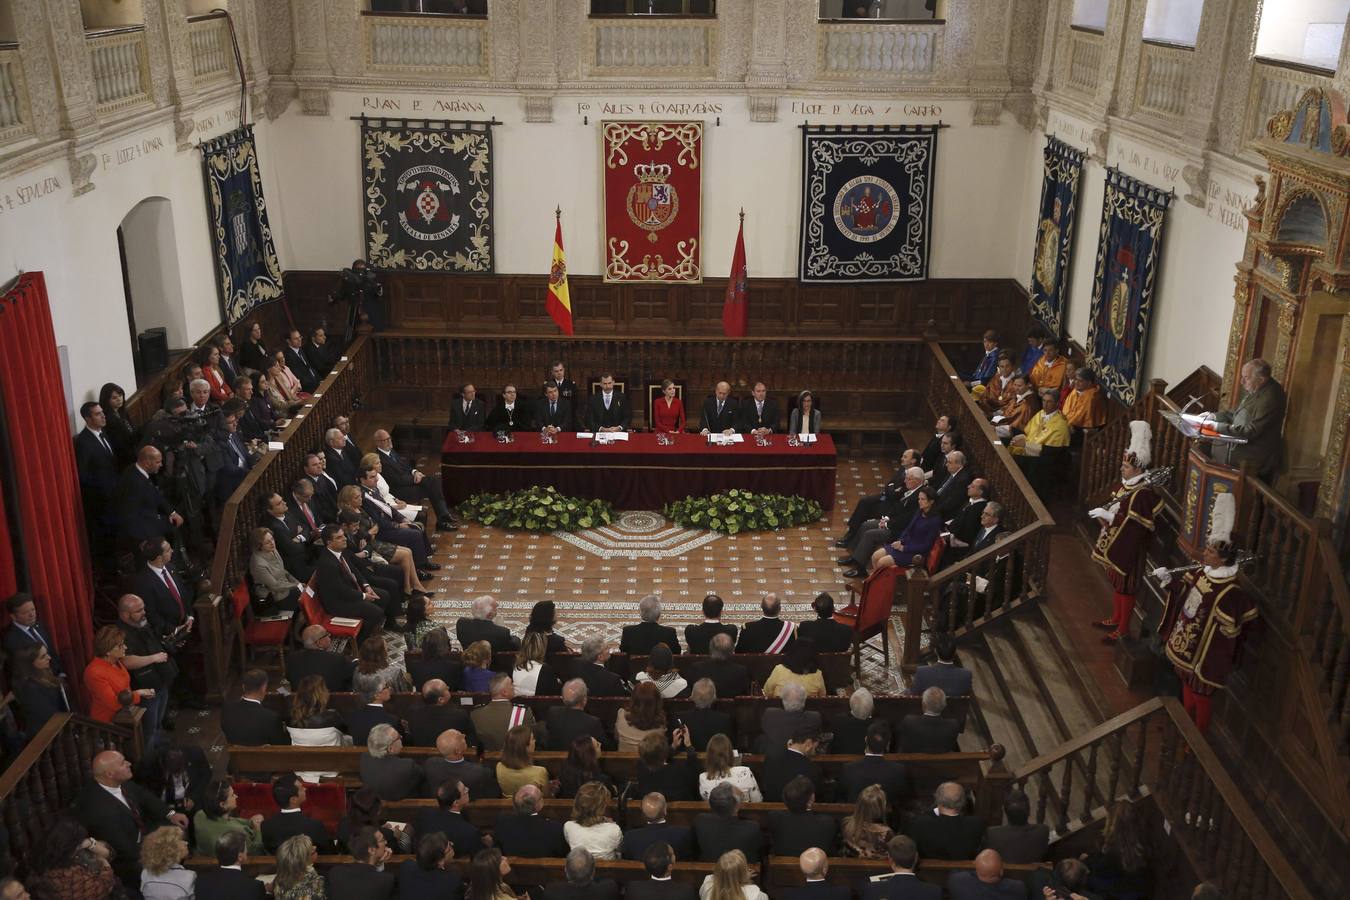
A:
<point x="466" y="407"/>
<point x="173" y="589"/>
<point x="104" y="441"/>
<point x="234" y="445"/>
<point x="36" y="636"/>
<point x="304" y="507"/>
<point x="719" y="407"/>
<point x="552" y="409"/>
<point x="347" y="571"/>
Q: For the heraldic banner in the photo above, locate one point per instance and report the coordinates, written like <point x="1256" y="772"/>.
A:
<point x="1054" y="236"/>
<point x="653" y="201"/>
<point x="867" y="203"/>
<point x="248" y="272"/>
<point x="1128" y="257"/>
<point x="428" y="190"/>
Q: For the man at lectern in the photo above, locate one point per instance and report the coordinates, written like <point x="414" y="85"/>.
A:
<point x="1258" y="419"/>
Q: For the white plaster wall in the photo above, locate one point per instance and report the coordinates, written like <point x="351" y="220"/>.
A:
<point x="150" y="242"/>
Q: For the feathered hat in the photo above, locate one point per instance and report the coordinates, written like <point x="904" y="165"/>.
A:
<point x="1140" y="453"/>
<point x="1221" y="521"/>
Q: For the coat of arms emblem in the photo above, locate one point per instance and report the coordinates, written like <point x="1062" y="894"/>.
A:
<point x="653" y="202"/>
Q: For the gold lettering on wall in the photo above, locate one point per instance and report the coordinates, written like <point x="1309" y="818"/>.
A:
<point x="422" y="105"/>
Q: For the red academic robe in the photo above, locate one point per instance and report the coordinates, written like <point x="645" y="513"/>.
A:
<point x="1203" y="625"/>
<point x="1121" y="545"/>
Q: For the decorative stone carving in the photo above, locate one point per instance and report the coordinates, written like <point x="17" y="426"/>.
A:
<point x="183" y="126"/>
<point x="279" y="97"/>
<point x="1197" y="180"/>
<point x="1098" y="145"/>
<point x="538" y="107"/>
<point x="763" y="107"/>
<point x="82" y="166"/>
<point x="314" y="100"/>
<point x="274" y="33"/>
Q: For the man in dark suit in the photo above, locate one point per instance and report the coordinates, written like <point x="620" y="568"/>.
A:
<point x="524" y="832"/>
<point x="477" y="779"/>
<point x="567" y="388"/>
<point x="875" y="768"/>
<point x="510" y="414"/>
<point x="656" y="831"/>
<point x="930" y="732"/>
<point x="850" y="728"/>
<point x="316" y="657"/>
<point x="350" y="451"/>
<point x="227" y="880"/>
<point x="759" y="414"/>
<point x="655" y="774"/>
<point x="293" y="543"/>
<point x="932" y="451"/>
<point x="659" y="861"/>
<point x="452" y="795"/>
<point x="723" y="829"/>
<point x="554" y="413"/>
<point x="815" y="866"/>
<point x="901" y="883"/>
<point x="720" y="411"/>
<point x="581" y="883"/>
<point x="392" y="776"/>
<point x="828" y="635"/>
<point x="946" y="833"/>
<point x="966" y="522"/>
<point x="955" y="680"/>
<point x="142" y="511"/>
<point x="1019" y="841"/>
<point x="986" y="882"/>
<point x="120" y="812"/>
<point x="783" y="764"/>
<point x="325" y="487"/>
<point x="168" y="598"/>
<point x="235" y="460"/>
<point x="951" y="494"/>
<point x="227" y="365"/>
<point x="408" y="483"/>
<point x="391" y="523"/>
<point x="25" y="630"/>
<point x="731" y="678"/>
<point x="336" y="463"/>
<point x="341" y="591"/>
<point x="777" y="724"/>
<point x="96" y="462"/>
<point x="297" y="359"/>
<point x="323" y="354"/>
<point x="289" y="793"/>
<point x="364" y="879"/>
<point x="987" y="532"/>
<point x="246" y="721"/>
<point x="481" y="627"/>
<point x="374" y="691"/>
<point x="300" y="510"/>
<point x="769" y="633"/>
<point x="797" y="829"/>
<point x="570" y="721"/>
<point x="608" y="409"/>
<point x="698" y="635"/>
<point x="436" y="716"/>
<point x="639" y="639"/>
<point x="896" y="511"/>
<point x="703" y="721"/>
<point x="600" y="681"/>
<point x="869" y="506"/>
<point x="466" y="411"/>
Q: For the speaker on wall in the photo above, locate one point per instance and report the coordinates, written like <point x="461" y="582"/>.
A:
<point x="153" y="344"/>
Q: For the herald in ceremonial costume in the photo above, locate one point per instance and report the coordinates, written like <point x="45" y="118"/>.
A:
<point x="1128" y="523"/>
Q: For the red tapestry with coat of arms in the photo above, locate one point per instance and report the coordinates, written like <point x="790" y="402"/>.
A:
<point x="653" y="201"/>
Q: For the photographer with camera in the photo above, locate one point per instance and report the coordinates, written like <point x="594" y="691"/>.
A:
<point x="362" y="290"/>
<point x="191" y="460"/>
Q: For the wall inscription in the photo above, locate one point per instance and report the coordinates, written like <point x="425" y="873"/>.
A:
<point x="861" y="109"/>
<point x="21" y="195"/>
<point x="649" y="108"/>
<point x="127" y="153"/>
<point x="421" y="105"/>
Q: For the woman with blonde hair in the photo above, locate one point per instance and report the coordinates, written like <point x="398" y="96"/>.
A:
<point x="274" y="587"/>
<point x="590" y="827"/>
<point x="296" y="878"/>
<point x="312" y="724"/>
<point x="865" y="831"/>
<point x="367" y="540"/>
<point x="373" y="659"/>
<point x="162" y="874"/>
<point x="730" y="880"/>
<point x="531" y="674"/>
<point x="477" y="667"/>
<point x="517" y="767"/>
<point x="719" y="767"/>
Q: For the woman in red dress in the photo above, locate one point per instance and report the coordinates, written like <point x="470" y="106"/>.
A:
<point x="668" y="411"/>
<point x="210" y="362"/>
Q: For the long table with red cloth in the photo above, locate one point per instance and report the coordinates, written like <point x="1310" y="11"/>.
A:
<point x="638" y="473"/>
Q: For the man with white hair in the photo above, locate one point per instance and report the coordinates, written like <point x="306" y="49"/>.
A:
<point x="570" y="721"/>
<point x="703" y="721"/>
<point x="336" y="464"/>
<point x="600" y="681"/>
<point x="639" y="639"/>
<point x="947" y="833"/>
<point x="1258" y="419"/>
<point x="720" y="411"/>
<point x="382" y="768"/>
<point x="778" y="725"/>
<point x="480" y="627"/>
<point x="896" y="513"/>
<point x="951" y="492"/>
<point x="500" y="714"/>
<point x="930" y="732"/>
<point x="850" y="728"/>
<point x="730" y="677"/>
<point x="317" y="657"/>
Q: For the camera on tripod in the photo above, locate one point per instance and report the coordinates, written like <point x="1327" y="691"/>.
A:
<point x="360" y="288"/>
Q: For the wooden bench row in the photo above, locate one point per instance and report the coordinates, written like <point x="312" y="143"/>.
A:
<point x="778" y="872"/>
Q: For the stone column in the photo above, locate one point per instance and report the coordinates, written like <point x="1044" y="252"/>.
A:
<point x="990" y="82"/>
<point x="312" y="71"/>
<point x="1219" y="29"/>
<point x="75" y="97"/>
<point x="537" y="65"/>
<point x="767" y="77"/>
<point x="172" y="79"/>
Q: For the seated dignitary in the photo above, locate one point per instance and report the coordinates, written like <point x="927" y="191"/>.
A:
<point x="429" y="874"/>
<point x="933" y="451"/>
<point x="511" y="414"/>
<point x="1017" y="410"/>
<point x="730" y="677"/>
<point x="1042" y="449"/>
<point x="570" y="721"/>
<point x="730" y="880"/>
<point x="365" y="878"/>
<point x="476" y="777"/>
<point x="217" y="817"/>
<point x="478" y="674"/>
<point x="698" y="635"/>
<point x="951" y="492"/>
<point x="436" y="715"/>
<point x="392" y="526"/>
<point x="799" y="666"/>
<point x="930" y="732"/>
<point x="656" y="830"/>
<point x="374" y="692"/>
<point x="824" y="632"/>
<point x="246" y="721"/>
<point x="946" y="832"/>
<point x="227" y="881"/>
<point x="338" y="466"/>
<point x="317" y="657"/>
<point x="481" y="627"/>
<point x="720" y="411"/>
<point x="659" y="862"/>
<point x="494" y="719"/>
<point x="661" y="672"/>
<point x="384" y="770"/>
<point x="274" y="588"/>
<point x="643" y="714"/>
<point x="916" y="540"/>
<point x="524" y="832"/>
<point x="719" y="768"/>
<point x="896" y="511"/>
<point x="581" y="883"/>
<point x="410" y="484"/>
<point x="553" y="413"/>
<point x="517" y="767"/>
<point x="850" y="728"/>
<point x="768" y="633"/>
<point x="656" y="774"/>
<point x="341" y="591"/>
<point x="466" y="411"/>
<point x="308" y="371"/>
<point x="1051" y="370"/>
<point x="533" y="676"/>
<point x="875" y="768"/>
<point x="1019" y="841"/>
<point x="289" y="793"/>
<point x="815" y="866"/>
<point x="1085" y="406"/>
<point x="435" y="661"/>
<point x="955" y="680"/>
<point x="703" y="721"/>
<point x="609" y="409"/>
<point x="120" y="813"/>
<point x="639" y="639"/>
<point x="590" y="668"/>
<point x="870" y="506"/>
<point x="805" y="418"/>
<point x="783" y="764"/>
<point x="292" y="537"/>
<point x="723" y="829"/>
<point x="965" y="524"/>
<point x="447" y="818"/>
<point x="543" y="619"/>
<point x="796" y="829"/>
<point x="866" y="831"/>
<point x="589" y="827"/>
<point x="778" y="725"/>
<point x="581" y="767"/>
<point x="901" y="883"/>
<point x="987" y="880"/>
<point x="667" y="414"/>
<point x="163" y="875"/>
<point x="759" y="414"/>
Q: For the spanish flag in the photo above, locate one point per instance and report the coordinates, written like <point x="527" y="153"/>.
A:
<point x="559" y="304"/>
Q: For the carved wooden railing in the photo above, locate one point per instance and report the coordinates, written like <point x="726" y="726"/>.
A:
<point x="426" y="44"/>
<point x="901" y="51"/>
<point x="1099" y="473"/>
<point x="14" y="118"/>
<point x="274" y="473"/>
<point x="121" y="68"/>
<point x="1275" y="87"/>
<point x="1155" y="749"/>
<point x="46" y="777"/>
<point x="1324" y="624"/>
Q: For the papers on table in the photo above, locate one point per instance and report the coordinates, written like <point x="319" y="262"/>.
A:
<point x="276" y="445"/>
<point x="1198" y="418"/>
<point x="345" y="622"/>
<point x="723" y="440"/>
<point x="996" y="419"/>
<point x="804" y="438"/>
<point x="603" y="437"/>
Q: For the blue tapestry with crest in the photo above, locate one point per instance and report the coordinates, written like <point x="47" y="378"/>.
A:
<point x="1054" y="234"/>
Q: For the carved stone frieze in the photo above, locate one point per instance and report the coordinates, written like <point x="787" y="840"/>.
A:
<point x="274" y="34"/>
<point x="1196" y="177"/>
<point x="31" y="23"/>
<point x="735" y="36"/>
<point x="183" y="126"/>
<point x="76" y="76"/>
<point x="159" y="54"/>
<point x="800" y="38"/>
<point x="279" y="97"/>
<point x="314" y="100"/>
<point x="511" y="45"/>
<point x="763" y="107"/>
<point x="538" y="106"/>
<point x="82" y="166"/>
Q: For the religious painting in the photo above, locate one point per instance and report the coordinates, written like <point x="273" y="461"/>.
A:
<point x="248" y="272"/>
<point x="1054" y="235"/>
<point x="867" y="203"/>
<point x="1128" y="255"/>
<point x="428" y="195"/>
<point x="653" y="201"/>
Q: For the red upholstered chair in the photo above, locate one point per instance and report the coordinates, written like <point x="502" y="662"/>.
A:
<point x="255" y="635"/>
<point x="326" y="802"/>
<point x="871" y="616"/>
<point x="313" y="609"/>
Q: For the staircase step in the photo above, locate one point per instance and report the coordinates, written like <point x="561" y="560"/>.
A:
<point x="996" y="714"/>
<point x="1066" y="692"/>
<point x="1031" y="707"/>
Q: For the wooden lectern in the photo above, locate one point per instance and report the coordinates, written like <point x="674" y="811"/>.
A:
<point x="1205" y="479"/>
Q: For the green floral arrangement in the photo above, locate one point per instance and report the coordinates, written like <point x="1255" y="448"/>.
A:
<point x="736" y="510"/>
<point x="537" y="509"/>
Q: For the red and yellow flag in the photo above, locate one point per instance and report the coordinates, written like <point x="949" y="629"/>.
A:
<point x="559" y="304"/>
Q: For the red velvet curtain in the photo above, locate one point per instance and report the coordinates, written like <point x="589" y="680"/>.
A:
<point x="51" y="559"/>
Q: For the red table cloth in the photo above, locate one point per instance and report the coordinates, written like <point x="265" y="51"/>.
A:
<point x="638" y="473"/>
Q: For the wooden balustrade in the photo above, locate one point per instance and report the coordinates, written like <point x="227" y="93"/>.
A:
<point x="1103" y="449"/>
